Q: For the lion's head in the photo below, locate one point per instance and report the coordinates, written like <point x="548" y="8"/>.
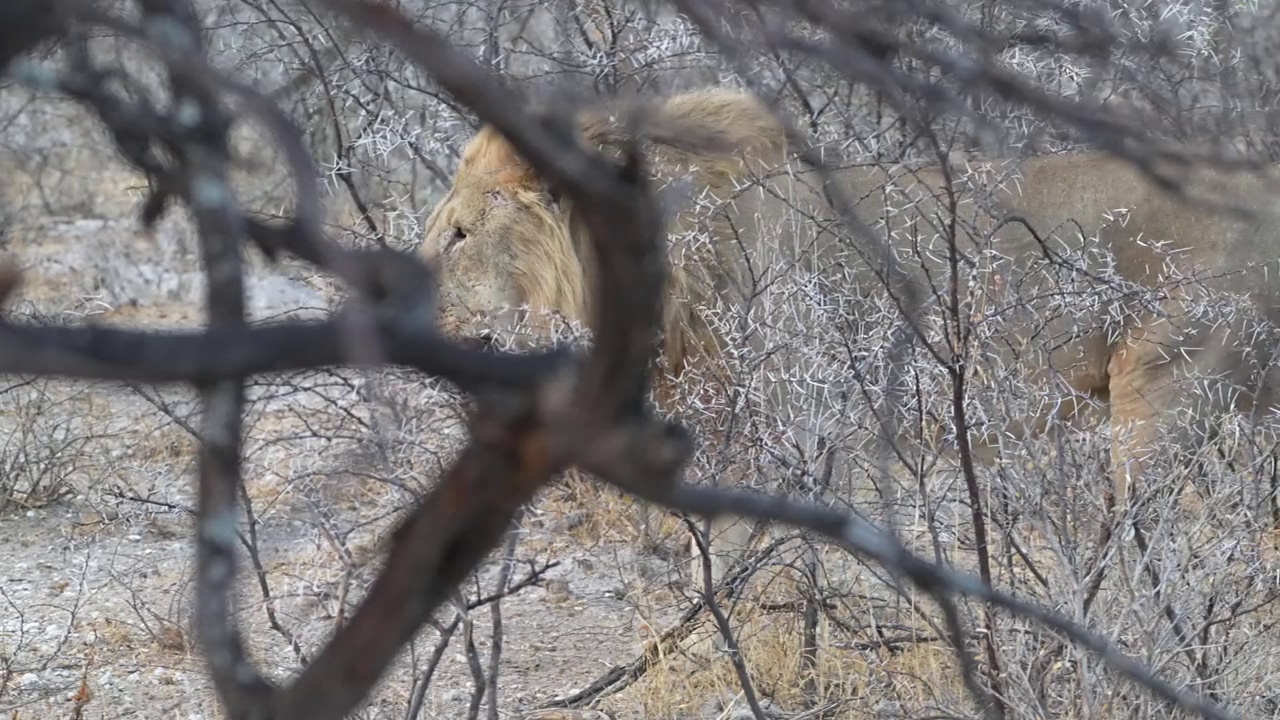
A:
<point x="501" y="239"/>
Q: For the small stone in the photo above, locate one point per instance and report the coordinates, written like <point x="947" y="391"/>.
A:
<point x="734" y="708"/>
<point x="456" y="696"/>
<point x="28" y="681"/>
<point x="558" y="591"/>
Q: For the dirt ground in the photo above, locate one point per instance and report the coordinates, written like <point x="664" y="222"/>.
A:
<point x="97" y="581"/>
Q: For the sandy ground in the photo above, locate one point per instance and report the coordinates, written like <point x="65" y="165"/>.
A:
<point x="97" y="581"/>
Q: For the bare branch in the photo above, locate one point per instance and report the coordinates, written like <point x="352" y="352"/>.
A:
<point x="537" y="414"/>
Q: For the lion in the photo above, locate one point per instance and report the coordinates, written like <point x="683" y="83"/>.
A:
<point x="547" y="265"/>
<point x="500" y="238"/>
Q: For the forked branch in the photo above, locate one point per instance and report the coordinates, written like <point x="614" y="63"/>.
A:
<point x="536" y="415"/>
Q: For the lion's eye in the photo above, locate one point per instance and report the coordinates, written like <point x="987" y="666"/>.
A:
<point x="458" y="236"/>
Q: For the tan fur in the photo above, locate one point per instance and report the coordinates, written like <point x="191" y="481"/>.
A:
<point x="1136" y="365"/>
<point x="522" y="248"/>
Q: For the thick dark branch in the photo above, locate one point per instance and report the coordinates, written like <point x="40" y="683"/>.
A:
<point x="202" y="357"/>
<point x="435" y="548"/>
<point x="26" y="24"/>
<point x="203" y="153"/>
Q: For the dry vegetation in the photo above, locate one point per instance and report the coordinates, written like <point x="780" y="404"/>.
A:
<point x="374" y="466"/>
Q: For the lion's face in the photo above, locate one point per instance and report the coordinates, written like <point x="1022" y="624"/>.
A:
<point x="489" y="239"/>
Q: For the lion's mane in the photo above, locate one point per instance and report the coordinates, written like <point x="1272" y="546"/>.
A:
<point x="703" y="143"/>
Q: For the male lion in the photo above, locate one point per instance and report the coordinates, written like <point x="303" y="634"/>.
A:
<point x="501" y="240"/>
<point x="747" y="214"/>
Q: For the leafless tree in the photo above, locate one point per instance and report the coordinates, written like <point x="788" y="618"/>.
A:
<point x="537" y="414"/>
